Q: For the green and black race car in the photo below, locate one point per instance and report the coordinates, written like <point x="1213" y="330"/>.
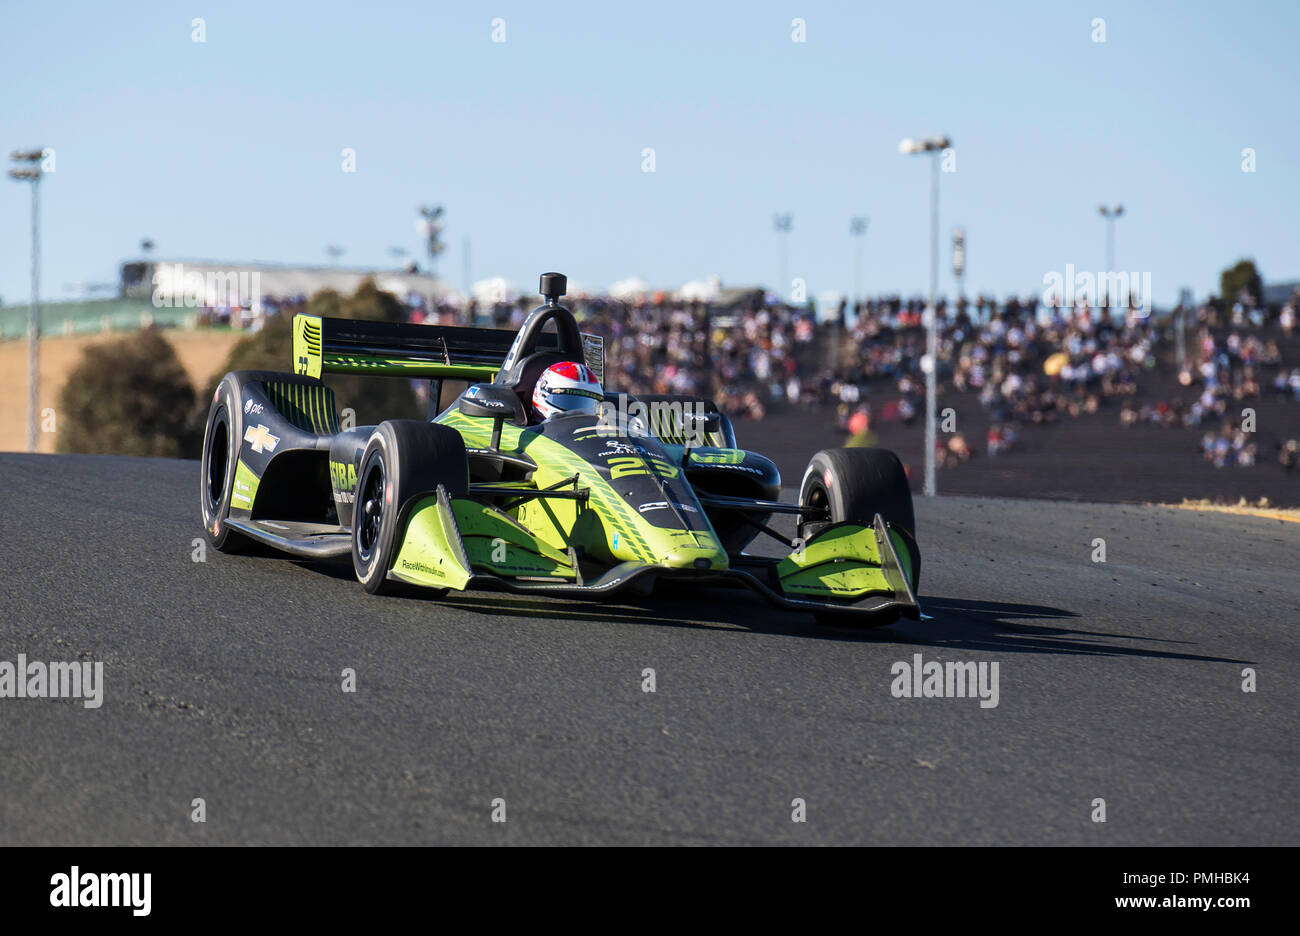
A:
<point x="642" y="490"/>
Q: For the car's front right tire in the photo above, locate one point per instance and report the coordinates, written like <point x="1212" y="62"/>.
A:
<point x="853" y="485"/>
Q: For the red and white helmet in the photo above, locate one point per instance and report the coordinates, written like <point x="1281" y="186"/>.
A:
<point x="567" y="388"/>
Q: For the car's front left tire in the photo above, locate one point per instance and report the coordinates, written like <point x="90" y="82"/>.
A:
<point x="403" y="459"/>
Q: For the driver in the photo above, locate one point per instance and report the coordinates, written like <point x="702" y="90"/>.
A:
<point x="567" y="387"/>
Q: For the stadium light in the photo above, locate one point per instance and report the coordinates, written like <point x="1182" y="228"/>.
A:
<point x="431" y="227"/>
<point x="783" y="224"/>
<point x="32" y="159"/>
<point x="935" y="146"/>
<point x="910" y="147"/>
<point x="858" y="231"/>
<point x="1110" y="214"/>
<point x="959" y="260"/>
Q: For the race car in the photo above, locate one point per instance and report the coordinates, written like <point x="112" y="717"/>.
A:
<point x="539" y="480"/>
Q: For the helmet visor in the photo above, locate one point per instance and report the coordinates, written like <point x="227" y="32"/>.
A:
<point x="575" y="401"/>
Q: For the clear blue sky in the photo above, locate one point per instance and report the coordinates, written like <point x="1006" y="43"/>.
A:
<point x="230" y="149"/>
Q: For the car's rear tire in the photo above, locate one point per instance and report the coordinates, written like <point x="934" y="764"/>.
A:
<point x="855" y="484"/>
<point x="221" y="443"/>
<point x="403" y="459"/>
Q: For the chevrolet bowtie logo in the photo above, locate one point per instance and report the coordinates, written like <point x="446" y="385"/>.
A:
<point x="261" y="439"/>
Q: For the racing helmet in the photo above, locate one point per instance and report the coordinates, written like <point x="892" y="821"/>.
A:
<point x="567" y="387"/>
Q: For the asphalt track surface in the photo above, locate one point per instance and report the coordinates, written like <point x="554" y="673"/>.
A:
<point x="1119" y="680"/>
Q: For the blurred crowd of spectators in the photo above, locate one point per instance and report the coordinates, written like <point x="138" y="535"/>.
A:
<point x="1031" y="364"/>
<point x="1230" y="445"/>
<point x="746" y="357"/>
<point x="1027" y="363"/>
<point x="1233" y="361"/>
<point x="250" y="319"/>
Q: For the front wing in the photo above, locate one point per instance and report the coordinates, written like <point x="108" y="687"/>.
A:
<point x="459" y="543"/>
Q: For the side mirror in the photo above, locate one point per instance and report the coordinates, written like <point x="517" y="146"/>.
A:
<point x="493" y="401"/>
<point x="696" y="430"/>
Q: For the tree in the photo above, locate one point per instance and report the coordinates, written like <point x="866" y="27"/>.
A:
<point x="1242" y="277"/>
<point x="372" y="398"/>
<point x="130" y="396"/>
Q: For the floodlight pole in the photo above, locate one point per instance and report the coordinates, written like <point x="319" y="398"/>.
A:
<point x="858" y="231"/>
<point x="33" y="175"/>
<point x="783" y="224"/>
<point x="932" y="330"/>
<point x="34" y="320"/>
<point x="1110" y="214"/>
<point x="935" y="146"/>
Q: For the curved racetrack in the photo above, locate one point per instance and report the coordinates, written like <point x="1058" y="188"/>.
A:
<point x="1120" y="680"/>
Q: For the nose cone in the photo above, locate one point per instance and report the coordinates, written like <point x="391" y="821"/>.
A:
<point x="695" y="550"/>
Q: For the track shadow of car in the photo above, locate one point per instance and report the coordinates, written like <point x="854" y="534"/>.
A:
<point x="959" y="624"/>
<point x="695" y="607"/>
<point x="1004" y="627"/>
<point x="335" y="568"/>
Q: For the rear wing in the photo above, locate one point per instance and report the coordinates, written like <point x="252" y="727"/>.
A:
<point x="401" y="349"/>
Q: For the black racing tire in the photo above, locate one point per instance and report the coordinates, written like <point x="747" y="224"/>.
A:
<point x="403" y="459"/>
<point x="856" y="484"/>
<point x="222" y="439"/>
